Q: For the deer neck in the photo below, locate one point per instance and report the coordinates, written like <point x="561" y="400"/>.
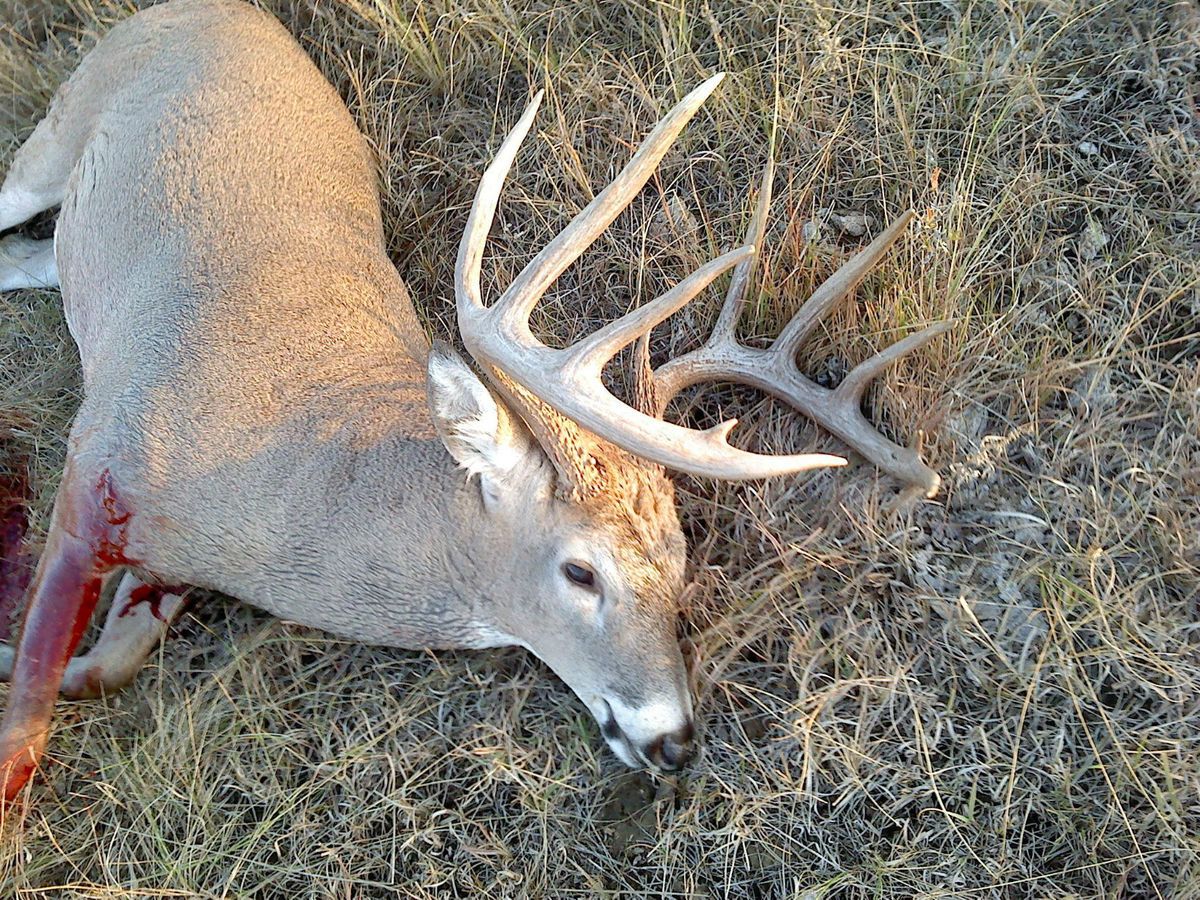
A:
<point x="388" y="542"/>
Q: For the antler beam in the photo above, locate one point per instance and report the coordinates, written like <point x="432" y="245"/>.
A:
<point x="569" y="379"/>
<point x="774" y="369"/>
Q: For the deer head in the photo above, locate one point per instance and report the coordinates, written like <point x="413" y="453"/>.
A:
<point x="574" y="479"/>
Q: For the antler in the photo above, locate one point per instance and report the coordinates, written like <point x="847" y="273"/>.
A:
<point x="774" y="369"/>
<point x="568" y="380"/>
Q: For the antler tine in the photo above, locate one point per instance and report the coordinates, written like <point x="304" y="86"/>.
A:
<point x="774" y="370"/>
<point x="523" y="294"/>
<point x="590" y="354"/>
<point x="835" y="288"/>
<point x="483" y="212"/>
<point x="735" y="301"/>
<point x="568" y="381"/>
<point x="677" y="374"/>
<point x="855" y="383"/>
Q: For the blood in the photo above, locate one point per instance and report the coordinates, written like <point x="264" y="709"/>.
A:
<point x="108" y="531"/>
<point x="15" y="567"/>
<point x="151" y="594"/>
<point x="89" y="538"/>
<point x="62" y="599"/>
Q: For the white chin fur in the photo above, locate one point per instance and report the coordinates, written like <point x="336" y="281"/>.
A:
<point x="622" y="753"/>
<point x="642" y="724"/>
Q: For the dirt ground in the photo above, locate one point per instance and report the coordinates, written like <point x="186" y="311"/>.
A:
<point x="994" y="693"/>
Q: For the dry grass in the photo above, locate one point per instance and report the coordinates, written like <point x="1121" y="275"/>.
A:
<point x="993" y="694"/>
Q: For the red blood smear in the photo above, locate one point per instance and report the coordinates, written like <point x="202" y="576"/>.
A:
<point x="107" y="530"/>
<point x="85" y="544"/>
<point x="16" y="569"/>
<point x="148" y="593"/>
<point x="63" y="597"/>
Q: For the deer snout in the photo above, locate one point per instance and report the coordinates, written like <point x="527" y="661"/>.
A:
<point x="671" y="752"/>
<point x="658" y="734"/>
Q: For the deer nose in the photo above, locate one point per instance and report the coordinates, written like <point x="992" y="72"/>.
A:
<point x="672" y="751"/>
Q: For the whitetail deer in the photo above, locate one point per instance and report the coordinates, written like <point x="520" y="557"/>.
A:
<point x="263" y="415"/>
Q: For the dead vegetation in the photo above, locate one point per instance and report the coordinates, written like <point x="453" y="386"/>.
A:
<point x="996" y="693"/>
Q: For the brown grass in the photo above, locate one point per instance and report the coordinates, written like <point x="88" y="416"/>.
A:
<point x="993" y="694"/>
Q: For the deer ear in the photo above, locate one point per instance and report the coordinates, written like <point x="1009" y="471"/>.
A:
<point x="479" y="431"/>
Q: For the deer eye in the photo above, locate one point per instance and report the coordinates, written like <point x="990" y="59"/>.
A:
<point x="580" y="575"/>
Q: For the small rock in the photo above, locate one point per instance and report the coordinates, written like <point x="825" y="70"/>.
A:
<point x="1087" y="148"/>
<point x="1092" y="240"/>
<point x="968" y="427"/>
<point x="853" y="224"/>
<point x="1092" y="392"/>
<point x="673" y="222"/>
<point x="836" y="369"/>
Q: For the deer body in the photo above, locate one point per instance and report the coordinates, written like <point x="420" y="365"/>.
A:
<point x="255" y="417"/>
<point x="252" y="411"/>
<point x="264" y="416"/>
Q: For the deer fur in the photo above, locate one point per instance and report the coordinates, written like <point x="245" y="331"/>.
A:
<point x="263" y="415"/>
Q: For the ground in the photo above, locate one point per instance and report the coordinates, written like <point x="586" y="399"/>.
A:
<point x="995" y="693"/>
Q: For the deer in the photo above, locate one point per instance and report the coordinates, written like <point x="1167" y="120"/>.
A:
<point x="263" y="415"/>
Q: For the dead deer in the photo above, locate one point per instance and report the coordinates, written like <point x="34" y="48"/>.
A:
<point x="263" y="415"/>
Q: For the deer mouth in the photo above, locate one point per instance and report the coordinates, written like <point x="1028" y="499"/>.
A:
<point x="620" y="743"/>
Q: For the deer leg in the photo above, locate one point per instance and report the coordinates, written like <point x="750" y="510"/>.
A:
<point x="86" y="541"/>
<point x="37" y="179"/>
<point x="26" y="263"/>
<point x="138" y="620"/>
<point x="62" y="597"/>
